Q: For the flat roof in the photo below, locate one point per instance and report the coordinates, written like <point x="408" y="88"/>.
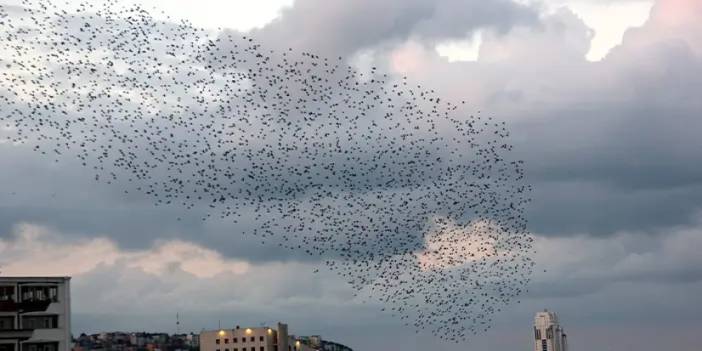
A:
<point x="33" y="279"/>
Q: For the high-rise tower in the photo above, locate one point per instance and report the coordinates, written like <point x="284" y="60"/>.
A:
<point x="548" y="334"/>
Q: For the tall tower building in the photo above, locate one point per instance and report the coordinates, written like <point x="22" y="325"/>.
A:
<point x="548" y="334"/>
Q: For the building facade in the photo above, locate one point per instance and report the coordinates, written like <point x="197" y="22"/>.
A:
<point x="246" y="339"/>
<point x="264" y="339"/>
<point x="35" y="314"/>
<point x="548" y="334"/>
<point x="317" y="343"/>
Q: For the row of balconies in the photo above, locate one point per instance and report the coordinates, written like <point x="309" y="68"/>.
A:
<point x="24" y="306"/>
<point x="7" y="323"/>
<point x="27" y="295"/>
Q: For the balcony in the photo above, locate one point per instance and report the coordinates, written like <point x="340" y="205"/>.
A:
<point x="25" y="306"/>
<point x="19" y="334"/>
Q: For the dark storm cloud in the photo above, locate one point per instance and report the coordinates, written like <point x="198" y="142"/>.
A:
<point x="75" y="204"/>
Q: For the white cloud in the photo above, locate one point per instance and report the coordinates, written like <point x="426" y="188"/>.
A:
<point x="609" y="22"/>
<point x="110" y="279"/>
<point x="35" y="250"/>
<point x="242" y="15"/>
<point x="449" y="245"/>
<point x="461" y="50"/>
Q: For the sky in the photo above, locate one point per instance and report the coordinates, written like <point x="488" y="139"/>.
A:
<point x="601" y="97"/>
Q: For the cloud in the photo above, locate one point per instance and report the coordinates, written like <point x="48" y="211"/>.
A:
<point x="340" y="29"/>
<point x="448" y="245"/>
<point x="612" y="149"/>
<point x="582" y="265"/>
<point x="32" y="247"/>
<point x="610" y="145"/>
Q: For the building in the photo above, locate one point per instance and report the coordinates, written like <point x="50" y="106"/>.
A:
<point x="193" y="341"/>
<point x="317" y="343"/>
<point x="264" y="339"/>
<point x="548" y="334"/>
<point x="246" y="339"/>
<point x="35" y="314"/>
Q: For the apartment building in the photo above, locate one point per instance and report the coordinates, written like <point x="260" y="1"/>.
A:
<point x="35" y="314"/>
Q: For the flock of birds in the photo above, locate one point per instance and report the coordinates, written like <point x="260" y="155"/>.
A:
<point x="413" y="201"/>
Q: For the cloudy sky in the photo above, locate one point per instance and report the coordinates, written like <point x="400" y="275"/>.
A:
<point x="602" y="98"/>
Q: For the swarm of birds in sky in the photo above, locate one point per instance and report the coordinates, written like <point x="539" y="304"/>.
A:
<point x="414" y="201"/>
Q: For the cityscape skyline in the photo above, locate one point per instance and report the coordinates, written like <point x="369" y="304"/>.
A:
<point x="600" y="101"/>
<point x="35" y="315"/>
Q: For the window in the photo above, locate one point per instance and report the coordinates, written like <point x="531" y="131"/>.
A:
<point x="261" y="348"/>
<point x="40" y="322"/>
<point x="234" y="340"/>
<point x="243" y="349"/>
<point x="253" y="339"/>
<point x="39" y="293"/>
<point x="7" y="293"/>
<point x="544" y="347"/>
<point x="226" y="341"/>
<point x="217" y="342"/>
<point x="40" y="346"/>
<point x="260" y="338"/>
<point x="7" y="323"/>
<point x="7" y="347"/>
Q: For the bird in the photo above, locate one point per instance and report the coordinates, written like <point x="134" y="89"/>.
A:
<point x="412" y="199"/>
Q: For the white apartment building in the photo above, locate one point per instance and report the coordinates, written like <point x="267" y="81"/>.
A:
<point x="548" y="334"/>
<point x="35" y="314"/>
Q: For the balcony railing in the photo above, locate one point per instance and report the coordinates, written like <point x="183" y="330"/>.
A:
<point x="20" y="334"/>
<point x="25" y="306"/>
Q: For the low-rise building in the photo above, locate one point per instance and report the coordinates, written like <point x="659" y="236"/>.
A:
<point x="317" y="343"/>
<point x="264" y="339"/>
<point x="246" y="339"/>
